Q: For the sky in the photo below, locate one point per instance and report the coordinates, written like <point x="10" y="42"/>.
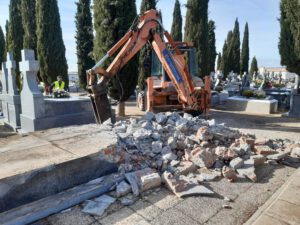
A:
<point x="261" y="15"/>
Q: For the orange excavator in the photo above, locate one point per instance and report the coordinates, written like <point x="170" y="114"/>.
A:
<point x="192" y="96"/>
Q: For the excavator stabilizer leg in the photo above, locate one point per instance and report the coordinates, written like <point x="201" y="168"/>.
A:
<point x="101" y="104"/>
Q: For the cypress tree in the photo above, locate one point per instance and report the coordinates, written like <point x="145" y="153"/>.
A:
<point x="50" y="46"/>
<point x="29" y="24"/>
<point x="112" y="21"/>
<point x="289" y="46"/>
<point x="224" y="62"/>
<point x="145" y="53"/>
<point x="219" y="61"/>
<point x="212" y="52"/>
<point x="245" y="51"/>
<point x="196" y="30"/>
<point x="2" y="47"/>
<point x="176" y="31"/>
<point x="254" y="66"/>
<point x="7" y="38"/>
<point x="234" y="49"/>
<point x="16" y="32"/>
<point x="84" y="39"/>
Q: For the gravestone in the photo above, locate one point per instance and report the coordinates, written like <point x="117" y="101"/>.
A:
<point x="11" y="103"/>
<point x="3" y="106"/>
<point x="295" y="100"/>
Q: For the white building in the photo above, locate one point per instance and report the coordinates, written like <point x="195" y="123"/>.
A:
<point x="286" y="75"/>
<point x="73" y="77"/>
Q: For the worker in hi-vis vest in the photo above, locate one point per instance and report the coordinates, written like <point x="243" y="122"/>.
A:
<point x="58" y="85"/>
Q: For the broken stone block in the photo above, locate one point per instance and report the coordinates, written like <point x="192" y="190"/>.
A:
<point x="161" y="118"/>
<point x="142" y="134"/>
<point x="181" y="187"/>
<point x="128" y="200"/>
<point x="236" y="163"/>
<point x="264" y="150"/>
<point x="185" y="167"/>
<point x="169" y="156"/>
<point x="261" y="141"/>
<point x="220" y="150"/>
<point x="248" y="170"/>
<point x="134" y="179"/>
<point x="149" y="116"/>
<point x="157" y="147"/>
<point x="229" y="154"/>
<point x="122" y="189"/>
<point x="174" y="163"/>
<point x="147" y="125"/>
<point x="229" y="174"/>
<point x="295" y="152"/>
<point x="258" y="159"/>
<point x="187" y="116"/>
<point x="203" y="134"/>
<point x="172" y="142"/>
<point x="278" y="156"/>
<point x="202" y="158"/>
<point x="98" y="206"/>
<point x="150" y="181"/>
<point x="207" y="175"/>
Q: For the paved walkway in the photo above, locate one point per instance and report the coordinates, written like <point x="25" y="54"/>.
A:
<point x="283" y="207"/>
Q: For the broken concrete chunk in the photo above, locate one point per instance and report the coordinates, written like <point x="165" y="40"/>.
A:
<point x="264" y="150"/>
<point x="150" y="181"/>
<point x="185" y="167"/>
<point x="258" y="159"/>
<point x="149" y="116"/>
<point x="172" y="142"/>
<point x="99" y="205"/>
<point x="135" y="181"/>
<point x="248" y="170"/>
<point x="278" y="156"/>
<point x="203" y="134"/>
<point x="187" y="116"/>
<point x="229" y="174"/>
<point x="122" y="189"/>
<point x="236" y="163"/>
<point x="157" y="147"/>
<point x="142" y="133"/>
<point x="161" y="118"/>
<point x="202" y="158"/>
<point x="181" y="187"/>
<point x="295" y="152"/>
<point x="169" y="156"/>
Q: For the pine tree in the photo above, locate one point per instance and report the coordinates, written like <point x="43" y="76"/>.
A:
<point x="289" y="46"/>
<point x="245" y="51"/>
<point x="212" y="52"/>
<point x="145" y="53"/>
<point x="196" y="30"/>
<point x="29" y="24"/>
<point x="219" y="62"/>
<point x="112" y="21"/>
<point x="50" y="46"/>
<point x="84" y="39"/>
<point x="176" y="30"/>
<point x="254" y="66"/>
<point x="235" y="51"/>
<point x="2" y="47"/>
<point x="16" y="32"/>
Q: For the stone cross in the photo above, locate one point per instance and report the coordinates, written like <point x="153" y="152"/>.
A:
<point x="31" y="97"/>
<point x="11" y="78"/>
<point x="4" y="79"/>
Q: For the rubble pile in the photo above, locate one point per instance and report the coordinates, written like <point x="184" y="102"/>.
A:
<point x="184" y="152"/>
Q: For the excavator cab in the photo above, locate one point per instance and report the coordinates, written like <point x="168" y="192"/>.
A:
<point x="159" y="87"/>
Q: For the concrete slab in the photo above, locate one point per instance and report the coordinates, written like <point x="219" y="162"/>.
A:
<point x="17" y="162"/>
<point x="255" y="106"/>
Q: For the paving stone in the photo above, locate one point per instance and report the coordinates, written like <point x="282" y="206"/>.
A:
<point x="146" y="209"/>
<point x="173" y="217"/>
<point x="124" y="216"/>
<point x="164" y="199"/>
<point x="285" y="211"/>
<point x="269" y="220"/>
<point x="291" y="194"/>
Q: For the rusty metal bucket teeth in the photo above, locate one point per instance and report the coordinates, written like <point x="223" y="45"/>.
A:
<point x="101" y="104"/>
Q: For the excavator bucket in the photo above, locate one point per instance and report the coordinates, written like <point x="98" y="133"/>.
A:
<point x="101" y="104"/>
